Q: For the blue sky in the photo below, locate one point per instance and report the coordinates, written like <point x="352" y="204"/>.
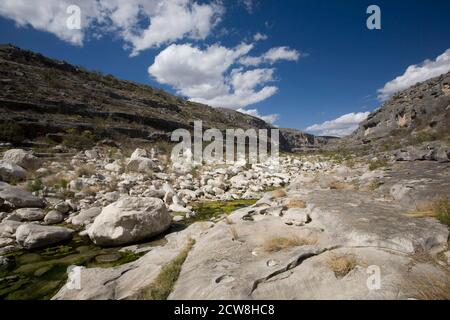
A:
<point x="315" y="61"/>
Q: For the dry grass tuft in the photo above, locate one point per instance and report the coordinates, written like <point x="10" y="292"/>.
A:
<point x="341" y="265"/>
<point x="279" y="193"/>
<point x="296" y="204"/>
<point x="337" y="185"/>
<point x="85" y="170"/>
<point x="282" y="243"/>
<point x="439" y="209"/>
<point x="427" y="287"/>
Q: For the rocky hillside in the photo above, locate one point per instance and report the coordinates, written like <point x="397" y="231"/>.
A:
<point x="301" y="141"/>
<point x="420" y="114"/>
<point x="42" y="97"/>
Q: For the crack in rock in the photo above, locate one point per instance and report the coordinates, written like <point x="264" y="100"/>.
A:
<point x="304" y="256"/>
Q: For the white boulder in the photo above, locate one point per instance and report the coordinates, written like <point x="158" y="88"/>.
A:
<point x="129" y="220"/>
<point x="21" y="158"/>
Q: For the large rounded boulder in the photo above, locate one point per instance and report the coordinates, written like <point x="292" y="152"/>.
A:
<point x="32" y="236"/>
<point x="129" y="220"/>
<point x="11" y="172"/>
<point x="22" y="158"/>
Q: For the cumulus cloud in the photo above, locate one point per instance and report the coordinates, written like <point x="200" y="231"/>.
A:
<point x="270" y="118"/>
<point x="340" y="127"/>
<point x="212" y="75"/>
<point x="272" y="56"/>
<point x="415" y="74"/>
<point x="142" y="24"/>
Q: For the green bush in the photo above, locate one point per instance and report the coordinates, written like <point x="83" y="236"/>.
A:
<point x="35" y="185"/>
<point x="442" y="211"/>
<point x="84" y="140"/>
<point x="11" y="132"/>
<point x="376" y="164"/>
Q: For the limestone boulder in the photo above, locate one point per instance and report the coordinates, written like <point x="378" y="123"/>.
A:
<point x="130" y="219"/>
<point x="22" y="158"/>
<point x="32" y="236"/>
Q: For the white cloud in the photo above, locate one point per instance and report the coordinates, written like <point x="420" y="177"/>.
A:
<point x="249" y="5"/>
<point x="272" y="56"/>
<point x="260" y="37"/>
<point x="270" y="118"/>
<point x="342" y="126"/>
<point x="415" y="74"/>
<point x="47" y="16"/>
<point x="142" y="24"/>
<point x="210" y="76"/>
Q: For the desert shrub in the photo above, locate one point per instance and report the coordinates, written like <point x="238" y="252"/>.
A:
<point x="376" y="164"/>
<point x="85" y="170"/>
<point x="425" y="136"/>
<point x="442" y="211"/>
<point x="375" y="184"/>
<point x="11" y="132"/>
<point x="337" y="185"/>
<point x="73" y="139"/>
<point x="296" y="204"/>
<point x="164" y="147"/>
<point x="51" y="77"/>
<point x="35" y="185"/>
<point x="339" y="156"/>
<point x="281" y="243"/>
<point x="341" y="265"/>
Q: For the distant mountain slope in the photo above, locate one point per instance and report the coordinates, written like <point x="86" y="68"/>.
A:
<point x="301" y="141"/>
<point x="414" y="116"/>
<point x="45" y="96"/>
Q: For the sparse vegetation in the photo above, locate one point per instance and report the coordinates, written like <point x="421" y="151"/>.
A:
<point x="375" y="184"/>
<point x="439" y="209"/>
<point x="279" y="193"/>
<point x="164" y="282"/>
<point x="341" y="265"/>
<point x="296" y="204"/>
<point x="338" y="185"/>
<point x="442" y="211"/>
<point x="35" y="185"/>
<point x="426" y="136"/>
<point x="281" y="243"/>
<point x="426" y="287"/>
<point x="195" y="172"/>
<point x="11" y="132"/>
<point x="73" y="139"/>
<point x="212" y="209"/>
<point x="85" y="170"/>
<point x="377" y="164"/>
<point x="339" y="157"/>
